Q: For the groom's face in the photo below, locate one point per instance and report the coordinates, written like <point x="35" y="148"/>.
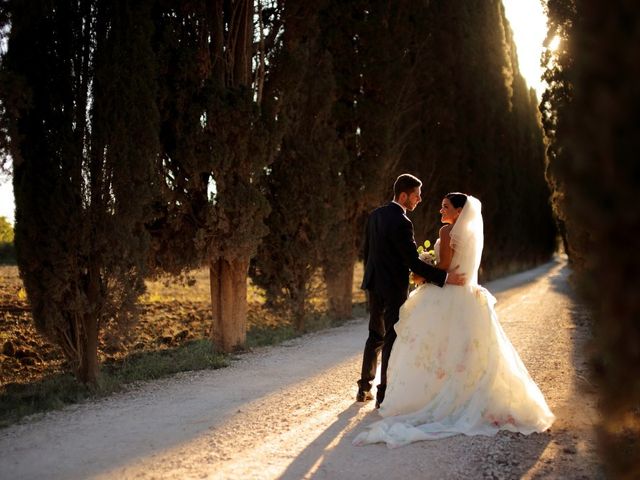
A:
<point x="413" y="199"/>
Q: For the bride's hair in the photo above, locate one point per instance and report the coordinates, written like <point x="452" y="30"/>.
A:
<point x="457" y="199"/>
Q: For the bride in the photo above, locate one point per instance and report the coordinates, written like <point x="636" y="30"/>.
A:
<point x="452" y="369"/>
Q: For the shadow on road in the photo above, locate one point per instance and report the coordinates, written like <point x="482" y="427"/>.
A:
<point x="332" y="455"/>
<point x="568" y="447"/>
<point x="191" y="406"/>
<point x="331" y="439"/>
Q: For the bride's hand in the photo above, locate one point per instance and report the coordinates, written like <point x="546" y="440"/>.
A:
<point x="417" y="279"/>
<point x="455" y="278"/>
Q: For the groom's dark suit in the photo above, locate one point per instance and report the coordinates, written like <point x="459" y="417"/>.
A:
<point x="389" y="253"/>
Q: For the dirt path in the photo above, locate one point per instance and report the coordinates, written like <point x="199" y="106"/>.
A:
<point x="287" y="412"/>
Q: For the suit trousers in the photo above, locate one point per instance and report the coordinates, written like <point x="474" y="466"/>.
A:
<point x="384" y="313"/>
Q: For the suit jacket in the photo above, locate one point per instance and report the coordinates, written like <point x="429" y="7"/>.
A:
<point x="390" y="251"/>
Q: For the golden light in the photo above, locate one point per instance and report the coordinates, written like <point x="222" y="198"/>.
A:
<point x="554" y="43"/>
<point x="529" y="25"/>
<point x="6" y="198"/>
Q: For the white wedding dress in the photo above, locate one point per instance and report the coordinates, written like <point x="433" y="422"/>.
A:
<point x="452" y="369"/>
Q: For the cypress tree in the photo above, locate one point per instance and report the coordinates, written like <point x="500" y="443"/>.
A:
<point x="478" y="132"/>
<point x="181" y="47"/>
<point x="373" y="45"/>
<point x="341" y="24"/>
<point x="554" y="107"/>
<point x="6" y="231"/>
<point x="437" y="153"/>
<point x="303" y="182"/>
<point x="484" y="126"/>
<point x="590" y="113"/>
<point x="239" y="135"/>
<point x="7" y="253"/>
<point x="529" y="228"/>
<point x="216" y="143"/>
<point x="82" y="124"/>
<point x="603" y="181"/>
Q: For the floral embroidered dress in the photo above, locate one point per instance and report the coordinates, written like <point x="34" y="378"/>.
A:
<point x="452" y="369"/>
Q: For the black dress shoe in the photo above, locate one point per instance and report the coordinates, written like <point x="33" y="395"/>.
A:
<point x="363" y="396"/>
<point x="377" y="404"/>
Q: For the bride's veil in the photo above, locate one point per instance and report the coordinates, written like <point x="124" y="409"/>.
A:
<point x="467" y="240"/>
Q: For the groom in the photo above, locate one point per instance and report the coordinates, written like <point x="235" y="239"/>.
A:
<point x="389" y="253"/>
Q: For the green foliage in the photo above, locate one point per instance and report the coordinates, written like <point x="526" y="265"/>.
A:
<point x="304" y="183"/>
<point x="374" y="46"/>
<point x="80" y="107"/>
<point x="156" y="134"/>
<point x="7" y="254"/>
<point x="7" y="251"/>
<point x="593" y="143"/>
<point x="264" y="336"/>
<point x="6" y="231"/>
<point x="477" y="131"/>
<point x="450" y="106"/>
<point x="314" y="320"/>
<point x="240" y="147"/>
<point x="17" y="401"/>
<point x="213" y="133"/>
<point x="195" y="355"/>
<point x="218" y="135"/>
<point x="186" y="159"/>
<point x="555" y="106"/>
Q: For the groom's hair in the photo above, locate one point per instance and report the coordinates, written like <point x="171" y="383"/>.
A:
<point x="405" y="183"/>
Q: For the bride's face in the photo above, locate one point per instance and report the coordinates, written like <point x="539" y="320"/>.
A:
<point x="448" y="213"/>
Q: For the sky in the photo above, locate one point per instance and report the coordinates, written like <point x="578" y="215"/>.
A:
<point x="528" y="23"/>
<point x="6" y="198"/>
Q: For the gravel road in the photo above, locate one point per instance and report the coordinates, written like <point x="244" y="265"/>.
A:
<point x="288" y="412"/>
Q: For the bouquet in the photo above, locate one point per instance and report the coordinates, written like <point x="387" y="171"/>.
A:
<point x="426" y="255"/>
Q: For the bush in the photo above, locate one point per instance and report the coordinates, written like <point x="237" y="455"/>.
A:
<point x="7" y="253"/>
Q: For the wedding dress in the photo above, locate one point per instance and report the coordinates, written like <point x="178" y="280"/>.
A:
<point x="452" y="369"/>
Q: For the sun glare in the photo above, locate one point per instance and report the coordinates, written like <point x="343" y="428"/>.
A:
<point x="6" y="198"/>
<point x="529" y="24"/>
<point x="554" y="43"/>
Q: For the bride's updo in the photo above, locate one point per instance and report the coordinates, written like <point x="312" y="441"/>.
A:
<point x="457" y="199"/>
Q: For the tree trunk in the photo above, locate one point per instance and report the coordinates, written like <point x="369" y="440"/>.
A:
<point x="229" y="303"/>
<point x="299" y="305"/>
<point x="88" y="332"/>
<point x="562" y="230"/>
<point x="243" y="21"/>
<point x="340" y="290"/>
<point x="261" y="57"/>
<point x="88" y="354"/>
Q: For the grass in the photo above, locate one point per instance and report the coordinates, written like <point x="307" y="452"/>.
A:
<point x="56" y="391"/>
<point x="195" y="355"/>
<point x="262" y="335"/>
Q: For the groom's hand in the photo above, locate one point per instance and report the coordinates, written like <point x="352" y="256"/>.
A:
<point x="455" y="278"/>
<point x="417" y="279"/>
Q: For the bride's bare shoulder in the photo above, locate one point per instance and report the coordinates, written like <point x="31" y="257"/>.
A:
<point x="445" y="238"/>
<point x="445" y="230"/>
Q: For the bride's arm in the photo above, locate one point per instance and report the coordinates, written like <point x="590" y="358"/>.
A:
<point x="445" y="248"/>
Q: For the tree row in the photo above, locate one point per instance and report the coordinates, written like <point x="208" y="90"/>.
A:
<point x="253" y="138"/>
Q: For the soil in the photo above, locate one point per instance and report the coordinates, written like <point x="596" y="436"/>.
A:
<point x="288" y="412"/>
<point x="172" y="313"/>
